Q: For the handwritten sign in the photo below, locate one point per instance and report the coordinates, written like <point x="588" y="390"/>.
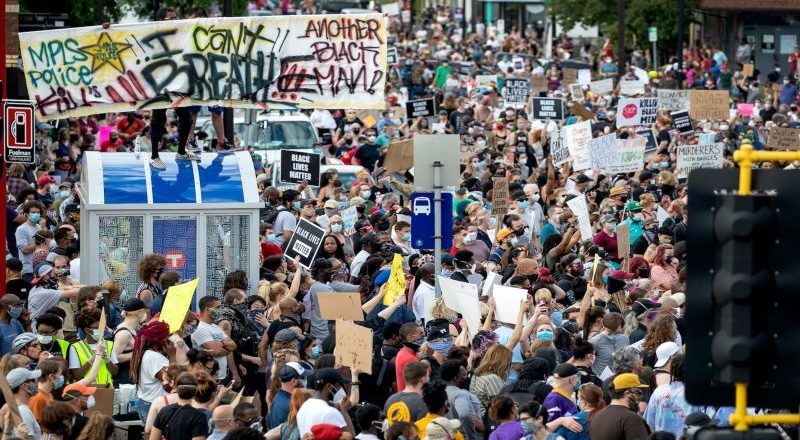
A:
<point x="399" y="156"/>
<point x="630" y="155"/>
<point x="558" y="149"/>
<point x="353" y="346"/>
<point x="516" y="91"/>
<point x="576" y="90"/>
<point x="538" y="84"/>
<point x="747" y="70"/>
<point x="709" y="104"/>
<point x="486" y="81"/>
<point x="177" y="303"/>
<point x="584" y="77"/>
<point x="570" y="76"/>
<point x="577" y="137"/>
<point x="636" y="111"/>
<point x="340" y="305"/>
<point x="631" y="87"/>
<point x="349" y="218"/>
<point x="745" y="109"/>
<point x="623" y="240"/>
<point x="397" y="281"/>
<point x="581" y="210"/>
<point x="499" y="195"/>
<point x="289" y="61"/>
<point x="783" y="138"/>
<point x="603" y="151"/>
<point x="602" y="87"/>
<point x="673" y="100"/>
<point x="579" y="109"/>
<point x="692" y="157"/>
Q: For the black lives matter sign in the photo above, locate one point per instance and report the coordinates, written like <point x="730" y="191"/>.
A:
<point x="517" y="91"/>
<point x="305" y="242"/>
<point x="421" y="108"/>
<point x="544" y="108"/>
<point x="297" y="166"/>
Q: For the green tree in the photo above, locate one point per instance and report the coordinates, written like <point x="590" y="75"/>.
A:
<point x="639" y="15"/>
<point x="144" y="8"/>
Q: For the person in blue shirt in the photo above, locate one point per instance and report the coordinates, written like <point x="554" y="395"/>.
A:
<point x="292" y="376"/>
<point x="10" y="311"/>
<point x="634" y="219"/>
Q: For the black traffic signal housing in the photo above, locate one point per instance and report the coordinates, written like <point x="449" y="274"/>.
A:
<point x="714" y="433"/>
<point x="743" y="289"/>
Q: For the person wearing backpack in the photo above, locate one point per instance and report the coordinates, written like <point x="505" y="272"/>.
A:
<point x="232" y="319"/>
<point x="284" y="221"/>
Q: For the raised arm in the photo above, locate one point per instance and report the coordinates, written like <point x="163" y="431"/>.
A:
<point x="515" y="336"/>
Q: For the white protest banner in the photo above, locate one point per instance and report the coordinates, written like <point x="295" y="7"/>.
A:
<point x="349" y="218"/>
<point x="507" y="301"/>
<point x="603" y="151"/>
<point x="631" y="87"/>
<point x="486" y="81"/>
<point x="584" y="77"/>
<point x="661" y="215"/>
<point x="577" y="137"/>
<point x="463" y="298"/>
<point x="630" y="155"/>
<point x="706" y="138"/>
<point x="492" y="279"/>
<point x="673" y="100"/>
<point x="602" y="87"/>
<point x="391" y="9"/>
<point x="691" y="157"/>
<point x="276" y="62"/>
<point x="642" y="75"/>
<point x="636" y="111"/>
<point x="579" y="208"/>
<point x="558" y="149"/>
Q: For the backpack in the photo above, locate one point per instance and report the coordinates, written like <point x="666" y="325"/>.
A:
<point x="269" y="213"/>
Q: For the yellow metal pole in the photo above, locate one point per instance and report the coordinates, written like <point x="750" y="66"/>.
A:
<point x="739" y="417"/>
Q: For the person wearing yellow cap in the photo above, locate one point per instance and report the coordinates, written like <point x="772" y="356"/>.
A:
<point x="621" y="419"/>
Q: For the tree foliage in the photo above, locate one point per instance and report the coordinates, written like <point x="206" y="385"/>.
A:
<point x="144" y="8"/>
<point x="639" y="15"/>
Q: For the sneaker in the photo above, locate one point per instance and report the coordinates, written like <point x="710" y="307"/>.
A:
<point x="194" y="147"/>
<point x="157" y="164"/>
<point x="227" y="147"/>
<point x="188" y="156"/>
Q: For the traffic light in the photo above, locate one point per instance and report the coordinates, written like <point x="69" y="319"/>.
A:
<point x="743" y="279"/>
<point x="713" y="433"/>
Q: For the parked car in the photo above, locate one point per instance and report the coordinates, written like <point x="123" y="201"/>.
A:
<point x="347" y="175"/>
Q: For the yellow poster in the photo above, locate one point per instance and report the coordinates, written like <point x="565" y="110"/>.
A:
<point x="177" y="303"/>
<point x="397" y="281"/>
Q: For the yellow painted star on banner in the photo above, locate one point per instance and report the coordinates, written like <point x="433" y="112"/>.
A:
<point x="105" y="52"/>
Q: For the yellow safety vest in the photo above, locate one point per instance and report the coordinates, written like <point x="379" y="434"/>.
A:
<point x="85" y="353"/>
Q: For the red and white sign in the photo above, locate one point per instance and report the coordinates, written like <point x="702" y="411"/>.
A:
<point x="18" y="138"/>
<point x="632" y="112"/>
<point x="175" y="259"/>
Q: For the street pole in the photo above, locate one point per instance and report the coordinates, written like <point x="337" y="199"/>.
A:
<point x="227" y="112"/>
<point x="655" y="57"/>
<point x="621" y="37"/>
<point x="3" y="96"/>
<point x="679" y="73"/>
<point x="437" y="224"/>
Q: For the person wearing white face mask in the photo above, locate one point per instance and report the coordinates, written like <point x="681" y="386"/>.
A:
<point x="536" y="220"/>
<point x="80" y="397"/>
<point x="23" y="385"/>
<point x="51" y="379"/>
<point x="293" y="375"/>
<point x="329" y="404"/>
<point x="470" y="242"/>
<point x="134" y="313"/>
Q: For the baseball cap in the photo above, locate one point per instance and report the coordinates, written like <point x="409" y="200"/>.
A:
<point x="331" y="204"/>
<point x="65" y="185"/>
<point x="18" y="376"/>
<point x="21" y="341"/>
<point x="133" y="305"/>
<point x="293" y="370"/>
<point x="633" y="205"/>
<point x="357" y="201"/>
<point x="288" y="335"/>
<point x="664" y="352"/>
<point x="565" y="370"/>
<point x="42" y="270"/>
<point x="326" y="431"/>
<point x="45" y="180"/>
<point x="641" y="306"/>
<point x="78" y="388"/>
<point x="330" y="375"/>
<point x="617" y="191"/>
<point x="626" y="381"/>
<point x="582" y="178"/>
<point x="437" y="329"/>
<point x="442" y="428"/>
<point x="667" y="302"/>
<point x="503" y="233"/>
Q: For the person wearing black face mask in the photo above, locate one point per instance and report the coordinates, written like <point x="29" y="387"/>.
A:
<point x="413" y="336"/>
<point x="150" y="268"/>
<point x="464" y="405"/>
<point x="621" y="419"/>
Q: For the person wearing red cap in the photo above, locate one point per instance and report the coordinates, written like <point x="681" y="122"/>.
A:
<point x="79" y="397"/>
<point x="43" y="185"/>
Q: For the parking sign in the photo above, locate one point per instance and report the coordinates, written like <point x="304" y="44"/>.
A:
<point x="422" y="221"/>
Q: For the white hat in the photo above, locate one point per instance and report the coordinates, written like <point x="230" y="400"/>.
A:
<point x="679" y="298"/>
<point x="19" y="376"/>
<point x="442" y="428"/>
<point x="664" y="352"/>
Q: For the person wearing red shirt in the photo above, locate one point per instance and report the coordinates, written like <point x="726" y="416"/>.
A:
<point x="112" y="143"/>
<point x="130" y="127"/>
<point x="793" y="57"/>
<point x="606" y="238"/>
<point x="413" y="336"/>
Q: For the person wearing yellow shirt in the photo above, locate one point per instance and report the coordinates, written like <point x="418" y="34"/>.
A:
<point x="434" y="394"/>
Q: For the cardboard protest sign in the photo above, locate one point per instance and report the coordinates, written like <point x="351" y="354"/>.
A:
<point x="507" y="301"/>
<point x="305" y="242"/>
<point x="569" y="76"/>
<point x="297" y="166"/>
<point x="177" y="303"/>
<point x="602" y="87"/>
<point x="349" y="218"/>
<point x="369" y="117"/>
<point x="577" y="137"/>
<point x="499" y="195"/>
<point x="747" y="70"/>
<point x="399" y="156"/>
<point x="631" y="87"/>
<point x="544" y="108"/>
<point x="584" y="77"/>
<point x="783" y="138"/>
<point x="462" y="298"/>
<point x="630" y="155"/>
<point x="486" y="81"/>
<point x="578" y="109"/>
<point x="682" y="122"/>
<point x="576" y="90"/>
<point x="558" y="149"/>
<point x="691" y="157"/>
<point x="538" y="84"/>
<point x="673" y="100"/>
<point x="603" y="151"/>
<point x="516" y="91"/>
<point x="636" y="111"/>
<point x="581" y="211"/>
<point x="397" y="281"/>
<point x="282" y="61"/>
<point x="353" y="346"/>
<point x="421" y="108"/>
<point x="623" y="240"/>
<point x="340" y="305"/>
<point x="709" y="104"/>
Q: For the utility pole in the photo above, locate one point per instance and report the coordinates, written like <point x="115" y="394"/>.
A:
<point x="3" y="244"/>
<point x="621" y="38"/>
<point x="679" y="74"/>
<point x="227" y="112"/>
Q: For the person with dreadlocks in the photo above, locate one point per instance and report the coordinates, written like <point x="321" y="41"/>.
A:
<point x="148" y="363"/>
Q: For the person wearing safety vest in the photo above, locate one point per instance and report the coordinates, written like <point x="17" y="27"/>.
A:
<point x="48" y="327"/>
<point x="81" y="353"/>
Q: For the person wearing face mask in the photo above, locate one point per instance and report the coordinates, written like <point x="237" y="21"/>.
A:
<point x="463" y="405"/>
<point x="369" y="153"/>
<point x="583" y="356"/>
<point x="26" y="236"/>
<point x="620" y="419"/>
<point x="232" y="319"/>
<point x="149" y="269"/>
<point x="401" y="236"/>
<point x="48" y="327"/>
<point x="649" y="236"/>
<point x="134" y="315"/>
<point x="80" y="353"/>
<point x="292" y="375"/>
<point x="46" y="293"/>
<point x="560" y="402"/>
<point x="664" y="272"/>
<point x="424" y="295"/>
<point x="10" y="311"/>
<point x="51" y="379"/>
<point x="285" y="221"/>
<point x="607" y="237"/>
<point x="23" y="385"/>
<point x="79" y="397"/>
<point x="221" y="422"/>
<point x="212" y="337"/>
<point x="329" y="404"/>
<point x="634" y="219"/>
<point x="413" y="336"/>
